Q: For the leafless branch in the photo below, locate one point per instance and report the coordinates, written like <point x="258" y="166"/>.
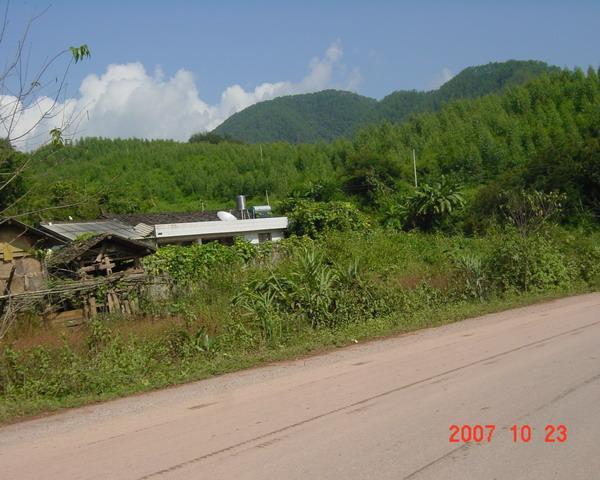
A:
<point x="29" y="99"/>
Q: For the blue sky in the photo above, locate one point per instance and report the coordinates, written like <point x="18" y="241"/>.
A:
<point x="381" y="46"/>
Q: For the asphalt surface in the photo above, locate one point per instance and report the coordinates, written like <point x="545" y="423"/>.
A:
<point x="380" y="410"/>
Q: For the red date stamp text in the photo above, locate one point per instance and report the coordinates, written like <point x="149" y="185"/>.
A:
<point x="520" y="433"/>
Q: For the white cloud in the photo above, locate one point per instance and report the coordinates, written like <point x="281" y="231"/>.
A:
<point x="440" y="78"/>
<point x="127" y="101"/>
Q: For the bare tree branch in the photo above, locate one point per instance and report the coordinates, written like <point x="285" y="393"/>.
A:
<point x="28" y="102"/>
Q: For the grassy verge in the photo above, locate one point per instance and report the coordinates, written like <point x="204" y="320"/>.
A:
<point x="307" y="342"/>
<point x="237" y="307"/>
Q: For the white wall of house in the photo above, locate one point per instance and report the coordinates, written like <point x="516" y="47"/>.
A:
<point x="251" y="237"/>
<point x="253" y="230"/>
<point x="259" y="237"/>
<point x="277" y="235"/>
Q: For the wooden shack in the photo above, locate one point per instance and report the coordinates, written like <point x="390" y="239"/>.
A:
<point x="100" y="255"/>
<point x="20" y="268"/>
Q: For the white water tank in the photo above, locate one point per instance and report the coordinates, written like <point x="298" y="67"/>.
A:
<point x="226" y="216"/>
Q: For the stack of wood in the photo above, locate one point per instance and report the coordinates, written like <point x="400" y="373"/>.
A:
<point x="72" y="303"/>
<point x="115" y="258"/>
<point x="77" y="281"/>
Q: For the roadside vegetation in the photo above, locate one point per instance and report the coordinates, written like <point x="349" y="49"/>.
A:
<point x="506" y="212"/>
<point x="234" y="307"/>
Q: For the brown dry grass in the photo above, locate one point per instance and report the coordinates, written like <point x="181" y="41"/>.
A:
<point x="34" y="335"/>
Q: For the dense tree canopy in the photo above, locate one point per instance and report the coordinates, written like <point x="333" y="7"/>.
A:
<point x="544" y="135"/>
<point x="307" y="118"/>
<point x="12" y="186"/>
<point x="330" y="114"/>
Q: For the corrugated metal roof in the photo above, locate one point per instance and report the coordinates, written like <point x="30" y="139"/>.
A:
<point x="164" y="218"/>
<point x="73" y="230"/>
<point x="143" y="229"/>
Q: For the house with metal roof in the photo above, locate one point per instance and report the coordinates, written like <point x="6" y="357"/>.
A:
<point x="70" y="231"/>
<point x="254" y="230"/>
<point x="255" y="225"/>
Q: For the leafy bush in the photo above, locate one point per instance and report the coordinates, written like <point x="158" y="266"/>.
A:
<point x="470" y="276"/>
<point x="583" y="253"/>
<point x="315" y="219"/>
<point x="196" y="262"/>
<point x="307" y="290"/>
<point x="262" y="302"/>
<point x="181" y="343"/>
<point x="485" y="210"/>
<point x="522" y="264"/>
<point x="310" y="291"/>
<point x="431" y="204"/>
<point x="532" y="211"/>
<point x="589" y="265"/>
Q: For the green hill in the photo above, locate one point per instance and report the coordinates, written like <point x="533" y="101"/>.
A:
<point x="543" y="134"/>
<point x="306" y="118"/>
<point x="330" y="114"/>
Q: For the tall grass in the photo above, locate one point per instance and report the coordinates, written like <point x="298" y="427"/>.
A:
<point x="245" y="304"/>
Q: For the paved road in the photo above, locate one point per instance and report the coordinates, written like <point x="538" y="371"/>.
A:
<point x="381" y="410"/>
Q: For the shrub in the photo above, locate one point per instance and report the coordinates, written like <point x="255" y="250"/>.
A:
<point x="532" y="211"/>
<point x="309" y="290"/>
<point x="261" y="306"/>
<point x="526" y="263"/>
<point x="589" y="266"/>
<point x="183" y="343"/>
<point x="485" y="210"/>
<point x="315" y="219"/>
<point x="306" y="290"/>
<point x="584" y="256"/>
<point x="430" y="205"/>
<point x="470" y="276"/>
<point x="197" y="262"/>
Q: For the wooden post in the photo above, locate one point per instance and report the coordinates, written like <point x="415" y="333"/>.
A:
<point x="9" y="280"/>
<point x="93" y="307"/>
<point x="86" y="308"/>
<point x="109" y="302"/>
<point x="134" y="307"/>
<point x="7" y="289"/>
<point x="116" y="302"/>
<point x="107" y="264"/>
<point x="126" y="307"/>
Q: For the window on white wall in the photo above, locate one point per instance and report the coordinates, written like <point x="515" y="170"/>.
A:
<point x="264" y="237"/>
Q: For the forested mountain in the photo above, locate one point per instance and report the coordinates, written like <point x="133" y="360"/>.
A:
<point x="330" y="114"/>
<point x="544" y="135"/>
<point x="472" y="82"/>
<point x="306" y="118"/>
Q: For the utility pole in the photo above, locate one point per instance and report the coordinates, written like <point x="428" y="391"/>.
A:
<point x="415" y="167"/>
